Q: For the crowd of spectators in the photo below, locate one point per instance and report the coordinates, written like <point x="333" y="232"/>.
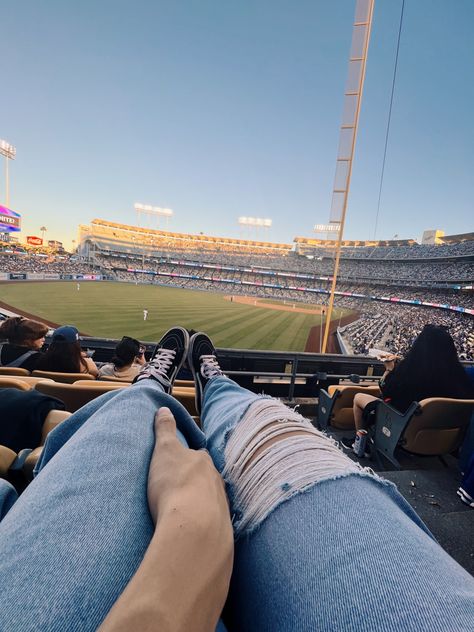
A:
<point x="218" y="279"/>
<point x="407" y="273"/>
<point x="33" y="263"/>
<point x="394" y="328"/>
<point x="22" y="346"/>
<point x="400" y="251"/>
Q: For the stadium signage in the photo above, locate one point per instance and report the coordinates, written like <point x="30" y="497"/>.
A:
<point x="34" y="241"/>
<point x="9" y="220"/>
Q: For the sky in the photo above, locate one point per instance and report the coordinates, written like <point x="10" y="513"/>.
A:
<point x="218" y="109"/>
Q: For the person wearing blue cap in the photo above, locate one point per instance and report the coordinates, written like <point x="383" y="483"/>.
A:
<point x="64" y="354"/>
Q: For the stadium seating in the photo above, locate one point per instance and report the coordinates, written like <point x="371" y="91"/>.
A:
<point x="432" y="427"/>
<point x="186" y="397"/>
<point x="29" y="380"/>
<point x="66" y="378"/>
<point x="11" y="382"/>
<point x="78" y="394"/>
<point x="111" y="378"/>
<point x="335" y="405"/>
<point x="6" y="370"/>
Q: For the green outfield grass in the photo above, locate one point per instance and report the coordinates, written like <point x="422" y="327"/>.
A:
<point x="116" y="309"/>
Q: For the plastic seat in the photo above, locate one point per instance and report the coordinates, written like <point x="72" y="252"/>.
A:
<point x="11" y="382"/>
<point x="6" y="370"/>
<point x="184" y="383"/>
<point x="27" y="379"/>
<point x="76" y="395"/>
<point x="431" y="427"/>
<point x="65" y="378"/>
<point x="111" y="378"/>
<point x="335" y="405"/>
<point x="186" y="397"/>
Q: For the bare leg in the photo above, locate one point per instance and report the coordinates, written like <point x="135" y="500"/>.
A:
<point x="360" y="402"/>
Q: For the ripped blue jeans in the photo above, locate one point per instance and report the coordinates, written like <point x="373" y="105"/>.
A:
<point x="321" y="544"/>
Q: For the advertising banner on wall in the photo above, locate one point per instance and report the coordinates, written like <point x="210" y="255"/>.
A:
<point x="9" y="220"/>
<point x="34" y="241"/>
<point x="17" y="276"/>
<point x="51" y="276"/>
<point x="4" y="276"/>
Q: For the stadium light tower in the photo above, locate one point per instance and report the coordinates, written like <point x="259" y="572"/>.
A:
<point x="255" y="222"/>
<point x="152" y="211"/>
<point x="9" y="152"/>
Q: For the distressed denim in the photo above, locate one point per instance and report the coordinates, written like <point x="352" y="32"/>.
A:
<point x="346" y="553"/>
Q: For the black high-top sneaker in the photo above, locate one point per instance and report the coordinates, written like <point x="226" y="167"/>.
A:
<point x="203" y="364"/>
<point x="168" y="357"/>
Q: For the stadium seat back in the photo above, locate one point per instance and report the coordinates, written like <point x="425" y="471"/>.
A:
<point x="184" y="383"/>
<point x="186" y="397"/>
<point x="66" y="378"/>
<point x="54" y="418"/>
<point x="75" y="396"/>
<point x="6" y="370"/>
<point x="342" y="414"/>
<point x="440" y="426"/>
<point x="11" y="382"/>
<point x="110" y="378"/>
<point x="27" y="379"/>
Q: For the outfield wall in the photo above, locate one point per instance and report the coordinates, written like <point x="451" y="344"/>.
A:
<point x="49" y="276"/>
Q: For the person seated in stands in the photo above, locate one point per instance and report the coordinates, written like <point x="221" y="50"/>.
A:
<point x="25" y="338"/>
<point x="64" y="354"/>
<point x="431" y="368"/>
<point x="127" y="361"/>
<point x="127" y="526"/>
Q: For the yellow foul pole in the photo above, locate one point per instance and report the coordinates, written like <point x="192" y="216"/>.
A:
<point x="348" y="134"/>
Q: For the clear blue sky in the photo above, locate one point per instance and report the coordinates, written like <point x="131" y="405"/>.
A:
<point x="218" y="109"/>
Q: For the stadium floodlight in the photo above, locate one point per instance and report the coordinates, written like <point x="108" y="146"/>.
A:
<point x="152" y="211"/>
<point x="254" y="221"/>
<point x="148" y="209"/>
<point x="326" y="228"/>
<point x="9" y="152"/>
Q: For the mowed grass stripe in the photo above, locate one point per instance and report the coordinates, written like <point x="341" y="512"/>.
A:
<point x="116" y="309"/>
<point x="273" y="323"/>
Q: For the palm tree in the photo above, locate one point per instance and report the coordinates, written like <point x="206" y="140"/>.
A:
<point x="43" y="229"/>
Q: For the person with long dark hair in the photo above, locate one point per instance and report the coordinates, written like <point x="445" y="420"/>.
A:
<point x="127" y="361"/>
<point x="64" y="354"/>
<point x="24" y="338"/>
<point x="431" y="368"/>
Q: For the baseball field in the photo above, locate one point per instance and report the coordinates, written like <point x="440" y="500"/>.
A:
<point x="116" y="309"/>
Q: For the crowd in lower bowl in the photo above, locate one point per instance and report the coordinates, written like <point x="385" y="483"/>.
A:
<point x="24" y="340"/>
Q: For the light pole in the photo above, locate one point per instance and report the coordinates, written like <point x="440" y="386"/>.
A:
<point x="43" y="230"/>
<point x="9" y="152"/>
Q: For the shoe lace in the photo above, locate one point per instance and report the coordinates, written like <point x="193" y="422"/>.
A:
<point x="210" y="366"/>
<point x="163" y="360"/>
